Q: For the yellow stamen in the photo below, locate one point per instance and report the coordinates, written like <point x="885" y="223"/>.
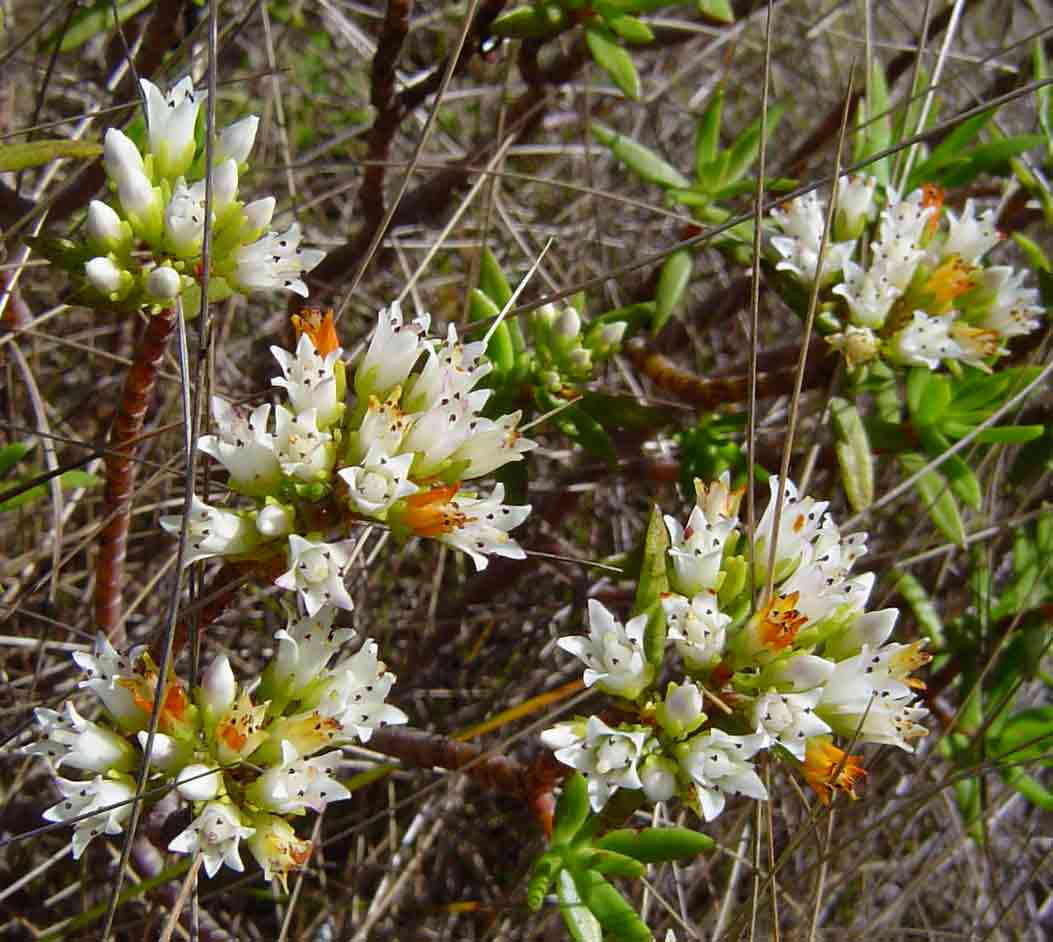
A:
<point x="780" y="621"/>
<point x="430" y="513"/>
<point x="828" y="769"/>
<point x="319" y="327"/>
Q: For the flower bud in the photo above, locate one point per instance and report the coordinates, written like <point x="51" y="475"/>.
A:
<point x="224" y="184"/>
<point x="103" y="275"/>
<point x="236" y="140"/>
<point x="199" y="782"/>
<point x="106" y="231"/>
<point x="140" y="202"/>
<point x="658" y="775"/>
<point x="681" y="711"/>
<point x="218" y="686"/>
<point x="275" y="520"/>
<point x="258" y="214"/>
<point x="164" y="283"/>
<point x="545" y="315"/>
<point x="167" y="754"/>
<point x="568" y="325"/>
<point x="580" y="361"/>
<point x="611" y="334"/>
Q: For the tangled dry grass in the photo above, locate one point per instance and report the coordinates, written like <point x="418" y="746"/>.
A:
<point x="508" y="162"/>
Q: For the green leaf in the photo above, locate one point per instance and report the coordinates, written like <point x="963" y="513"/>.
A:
<point x="614" y="60"/>
<point x="990" y="158"/>
<point x="492" y="281"/>
<point x="1010" y="434"/>
<point x="937" y="497"/>
<point x="949" y="149"/>
<point x="854" y="454"/>
<point x="707" y="137"/>
<point x="613" y="411"/>
<point x="582" y="925"/>
<point x="655" y="845"/>
<point x="615" y="914"/>
<point x="876" y="134"/>
<point x="742" y="154"/>
<point x="1032" y="789"/>
<point x="630" y="29"/>
<point x="1026" y="736"/>
<point x="928" y="395"/>
<point x="642" y="161"/>
<point x="500" y="350"/>
<point x="11" y="454"/>
<point x="719" y="10"/>
<point x="543" y="873"/>
<point x="580" y="427"/>
<point x="571" y="810"/>
<point x="672" y="282"/>
<point x="958" y="474"/>
<point x="528" y="23"/>
<point x="917" y="598"/>
<point x="93" y="20"/>
<point x="1044" y="95"/>
<point x="652" y="585"/>
<point x="1033" y="252"/>
<point x="36" y="153"/>
<point x="611" y="863"/>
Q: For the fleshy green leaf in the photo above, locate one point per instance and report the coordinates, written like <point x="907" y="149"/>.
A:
<point x="958" y="474"/>
<point x="707" y="137"/>
<point x="528" y="23"/>
<point x="642" y="161"/>
<point x="614" y="60"/>
<point x="571" y="810"/>
<point x="615" y="914"/>
<point x="719" y="10"/>
<point x="1026" y="736"/>
<point x="672" y="282"/>
<point x="500" y="349"/>
<point x="614" y="411"/>
<point x="630" y="29"/>
<point x="11" y="454"/>
<point x="876" y="134"/>
<point x="544" y="872"/>
<point x="98" y="18"/>
<point x="36" y="153"/>
<point x="921" y="605"/>
<point x="928" y="395"/>
<point x="582" y="925"/>
<point x="1010" y="434"/>
<point x="937" y="496"/>
<point x="492" y="281"/>
<point x="742" y="154"/>
<point x="653" y="583"/>
<point x="1044" y="95"/>
<point x="854" y="454"/>
<point x="611" y="863"/>
<point x="655" y="845"/>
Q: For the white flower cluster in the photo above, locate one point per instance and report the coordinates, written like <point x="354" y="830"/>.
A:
<point x="244" y="759"/>
<point x="807" y="664"/>
<point x="398" y="456"/>
<point x="160" y="208"/>
<point x="923" y="295"/>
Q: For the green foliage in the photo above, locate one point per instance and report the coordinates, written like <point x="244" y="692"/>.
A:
<point x="854" y="455"/>
<point x="23" y="492"/>
<point x="97" y="18"/>
<point x="712" y="447"/>
<point x="672" y="283"/>
<point x="37" y="153"/>
<point x="875" y="124"/>
<point x="653" y="583"/>
<point x="577" y="864"/>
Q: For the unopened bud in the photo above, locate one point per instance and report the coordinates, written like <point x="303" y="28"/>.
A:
<point x="103" y="275"/>
<point x="236" y="140"/>
<point x="164" y="283"/>
<point x="218" y="686"/>
<point x="568" y="325"/>
<point x="198" y="783"/>
<point x="274" y="520"/>
<point x="105" y="230"/>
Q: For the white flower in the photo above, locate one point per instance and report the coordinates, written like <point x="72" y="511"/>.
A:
<point x="697" y="550"/>
<point x="393" y="350"/>
<point x="606" y="757"/>
<point x="698" y="627"/>
<point x="244" y="447"/>
<point x="199" y="782"/>
<point x="170" y="121"/>
<point x="868" y="292"/>
<point x="316" y="571"/>
<point x="215" y="833"/>
<point x="185" y="219"/>
<point x="479" y="526"/>
<point x="970" y="237"/>
<point x="213" y="531"/>
<point x="718" y="764"/>
<point x="436" y="434"/>
<point x="309" y="380"/>
<point x="305" y="646"/>
<point x="384" y="425"/>
<point x="897" y="251"/>
<point x="800" y="672"/>
<point x="490" y="445"/>
<point x="164" y="283"/>
<point x="103" y="275"/>
<point x="789" y="719"/>
<point x="450" y="368"/>
<point x="1014" y="310"/>
<point x="659" y="777"/>
<point x="299" y="783"/>
<point x="354" y="692"/>
<point x="803" y="221"/>
<point x="80" y="744"/>
<point x="106" y="231"/>
<point x="140" y="200"/>
<point x="855" y="200"/>
<point x="235" y="141"/>
<point x="303" y="450"/>
<point x="799" y="521"/>
<point x="925" y="341"/>
<point x="107" y="668"/>
<point x="613" y="654"/>
<point x="83" y="798"/>
<point x="822" y="580"/>
<point x="379" y="481"/>
<point x="274" y="261"/>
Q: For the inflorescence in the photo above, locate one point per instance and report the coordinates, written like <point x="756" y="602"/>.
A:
<point x="788" y="675"/>
<point x="912" y="288"/>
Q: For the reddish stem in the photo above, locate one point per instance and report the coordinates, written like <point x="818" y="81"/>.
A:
<point x="120" y="472"/>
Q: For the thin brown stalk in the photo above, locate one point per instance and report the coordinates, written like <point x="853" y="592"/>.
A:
<point x="120" y="469"/>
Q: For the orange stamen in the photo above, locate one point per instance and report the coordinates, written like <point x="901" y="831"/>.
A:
<point x="430" y="513"/>
<point x="932" y="196"/>
<point x="319" y="327"/>
<point x="828" y="769"/>
<point x="780" y="621"/>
